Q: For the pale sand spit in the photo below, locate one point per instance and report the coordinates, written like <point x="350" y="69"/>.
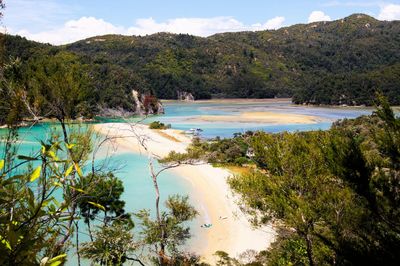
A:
<point x="272" y="118"/>
<point x="230" y="230"/>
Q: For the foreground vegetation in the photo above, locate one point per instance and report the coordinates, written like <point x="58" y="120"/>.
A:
<point x="333" y="195"/>
<point x="47" y="201"/>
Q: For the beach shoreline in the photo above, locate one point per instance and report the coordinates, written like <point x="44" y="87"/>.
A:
<point x="230" y="230"/>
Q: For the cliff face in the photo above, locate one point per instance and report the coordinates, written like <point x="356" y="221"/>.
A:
<point x="147" y="104"/>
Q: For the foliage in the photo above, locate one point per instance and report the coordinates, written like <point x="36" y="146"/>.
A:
<point x="228" y="151"/>
<point x="35" y="224"/>
<point x="224" y="259"/>
<point x="172" y="232"/>
<point x="111" y="245"/>
<point x="158" y="125"/>
<point x="105" y="190"/>
<point x="247" y="258"/>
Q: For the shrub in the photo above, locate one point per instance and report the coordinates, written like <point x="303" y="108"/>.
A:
<point x="158" y="125"/>
<point x="241" y="161"/>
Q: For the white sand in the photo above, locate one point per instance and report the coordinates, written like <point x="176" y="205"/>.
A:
<point x="272" y="118"/>
<point x="232" y="233"/>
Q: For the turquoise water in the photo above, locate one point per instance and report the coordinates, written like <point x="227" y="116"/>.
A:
<point x="180" y="115"/>
<point x="133" y="168"/>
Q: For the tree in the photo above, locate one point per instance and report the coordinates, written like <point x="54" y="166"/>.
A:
<point x="167" y="232"/>
<point x="35" y="225"/>
<point x="106" y="190"/>
<point x="296" y="187"/>
<point x="112" y="245"/>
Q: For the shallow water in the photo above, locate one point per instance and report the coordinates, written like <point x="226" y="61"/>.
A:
<point x="180" y="115"/>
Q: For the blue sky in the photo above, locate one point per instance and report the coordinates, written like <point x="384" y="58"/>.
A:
<point x="64" y="21"/>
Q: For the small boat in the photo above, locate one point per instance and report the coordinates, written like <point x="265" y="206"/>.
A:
<point x="194" y="131"/>
<point x="206" y="225"/>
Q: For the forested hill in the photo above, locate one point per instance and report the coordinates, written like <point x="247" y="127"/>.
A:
<point x="339" y="62"/>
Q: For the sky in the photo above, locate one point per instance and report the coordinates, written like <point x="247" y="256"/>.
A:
<point x="65" y="21"/>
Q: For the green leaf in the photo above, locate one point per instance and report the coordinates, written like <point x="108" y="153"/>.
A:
<point x="78" y="189"/>
<point x="97" y="205"/>
<point x="1" y="164"/>
<point x="46" y="202"/>
<point x="53" y="155"/>
<point x="69" y="170"/>
<point x="35" y="174"/>
<point x="5" y="243"/>
<point x="70" y="146"/>
<point x="56" y="260"/>
<point x="78" y="170"/>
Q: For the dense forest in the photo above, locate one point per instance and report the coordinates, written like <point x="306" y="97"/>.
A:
<point x="339" y="62"/>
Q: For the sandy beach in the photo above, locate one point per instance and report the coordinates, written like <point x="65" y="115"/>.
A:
<point x="272" y="118"/>
<point x="230" y="231"/>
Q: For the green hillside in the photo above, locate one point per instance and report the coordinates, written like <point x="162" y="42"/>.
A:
<point x="339" y="62"/>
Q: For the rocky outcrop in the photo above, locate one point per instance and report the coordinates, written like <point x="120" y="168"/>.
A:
<point x="139" y="108"/>
<point x="160" y="108"/>
<point x="146" y="104"/>
<point x="185" y="96"/>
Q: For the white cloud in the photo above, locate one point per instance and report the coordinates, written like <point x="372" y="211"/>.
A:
<point x="85" y="27"/>
<point x="272" y="24"/>
<point x="73" y="30"/>
<point x="195" y="26"/>
<point x="389" y="12"/>
<point x="318" y="16"/>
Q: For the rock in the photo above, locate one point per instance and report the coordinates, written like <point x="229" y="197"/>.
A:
<point x="160" y="108"/>
<point x="139" y="107"/>
<point x="145" y="104"/>
<point x="150" y="105"/>
<point x="185" y="96"/>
